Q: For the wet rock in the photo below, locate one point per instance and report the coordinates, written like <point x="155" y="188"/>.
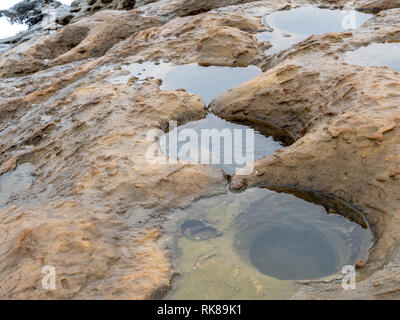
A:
<point x="238" y="185"/>
<point x="207" y="39"/>
<point x="93" y="211"/>
<point x="30" y="12"/>
<point x="141" y="3"/>
<point x="89" y="37"/>
<point x="41" y="16"/>
<point x="15" y="182"/>
<point x="169" y="9"/>
<point x="87" y="257"/>
<point x="85" y="7"/>
<point x="344" y="122"/>
<point x="96" y="149"/>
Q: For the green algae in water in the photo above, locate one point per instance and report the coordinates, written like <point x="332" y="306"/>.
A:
<point x="267" y="241"/>
<point x="376" y="54"/>
<point x="16" y="181"/>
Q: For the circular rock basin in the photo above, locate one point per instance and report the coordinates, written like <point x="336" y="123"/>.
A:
<point x="279" y="252"/>
<point x="291" y="239"/>
<point x="254" y="244"/>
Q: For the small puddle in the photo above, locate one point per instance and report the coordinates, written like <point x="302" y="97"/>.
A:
<point x="207" y="82"/>
<point x="376" y="54"/>
<point x="16" y="181"/>
<point x="292" y="26"/>
<point x="229" y="150"/>
<point x="253" y="245"/>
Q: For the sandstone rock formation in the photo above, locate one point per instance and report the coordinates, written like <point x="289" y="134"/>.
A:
<point x="96" y="208"/>
<point x="344" y="120"/>
<point x="206" y="39"/>
<point x="89" y="37"/>
<point x="96" y="192"/>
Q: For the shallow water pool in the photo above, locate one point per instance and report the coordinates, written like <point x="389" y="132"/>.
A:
<point x="16" y="181"/>
<point x="376" y="54"/>
<point x="294" y="25"/>
<point x="253" y="245"/>
<point x="228" y="154"/>
<point x="207" y="82"/>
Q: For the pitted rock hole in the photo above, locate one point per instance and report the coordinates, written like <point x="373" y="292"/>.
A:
<point x="266" y="240"/>
<point x="16" y="181"/>
<point x="295" y="25"/>
<point x="376" y="54"/>
<point x="291" y="239"/>
<point x="279" y="251"/>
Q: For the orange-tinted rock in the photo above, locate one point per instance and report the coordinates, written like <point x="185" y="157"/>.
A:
<point x="344" y="121"/>
<point x="86" y="38"/>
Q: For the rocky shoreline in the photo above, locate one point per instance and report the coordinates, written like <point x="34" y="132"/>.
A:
<point x="97" y="208"/>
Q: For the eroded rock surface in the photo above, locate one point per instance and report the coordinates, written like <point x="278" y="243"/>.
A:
<point x="344" y="120"/>
<point x="89" y="149"/>
<point x="29" y="12"/>
<point x="208" y="39"/>
<point x="96" y="208"/>
<point x="91" y="6"/>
